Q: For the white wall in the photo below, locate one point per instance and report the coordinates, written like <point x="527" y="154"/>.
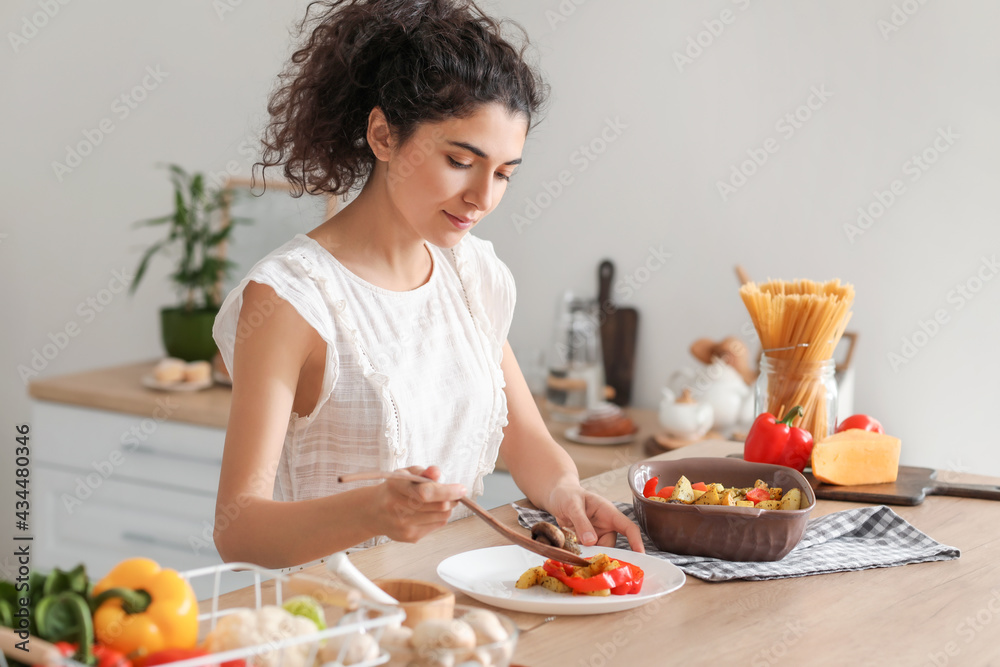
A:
<point x="653" y="186"/>
<point x="685" y="128"/>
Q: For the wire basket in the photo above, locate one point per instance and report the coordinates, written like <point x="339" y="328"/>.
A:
<point x="368" y="618"/>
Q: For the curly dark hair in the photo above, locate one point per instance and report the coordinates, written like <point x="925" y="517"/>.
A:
<point x="417" y="60"/>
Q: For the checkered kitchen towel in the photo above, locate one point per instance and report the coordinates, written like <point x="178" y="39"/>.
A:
<point x="856" y="539"/>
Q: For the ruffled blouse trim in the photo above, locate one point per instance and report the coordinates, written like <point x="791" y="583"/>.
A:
<point x="379" y="380"/>
<point x="471" y="280"/>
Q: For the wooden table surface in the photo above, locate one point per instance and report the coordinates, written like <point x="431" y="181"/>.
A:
<point x="932" y="613"/>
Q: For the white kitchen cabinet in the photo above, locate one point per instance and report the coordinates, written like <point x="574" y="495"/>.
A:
<point x="109" y="485"/>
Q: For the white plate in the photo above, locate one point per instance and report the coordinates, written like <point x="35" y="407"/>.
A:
<point x="489" y="575"/>
<point x="151" y="382"/>
<point x="573" y="433"/>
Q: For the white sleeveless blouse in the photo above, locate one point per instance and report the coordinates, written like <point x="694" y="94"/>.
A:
<point x="411" y="378"/>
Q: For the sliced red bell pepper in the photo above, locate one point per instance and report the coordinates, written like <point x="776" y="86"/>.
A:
<point x="757" y="495"/>
<point x="666" y="492"/>
<point x="649" y="489"/>
<point x="622" y="580"/>
<point x="699" y="486"/>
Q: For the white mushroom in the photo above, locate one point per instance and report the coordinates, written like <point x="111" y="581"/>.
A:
<point x="437" y="633"/>
<point x="486" y="625"/>
<point x="361" y="647"/>
<point x="397" y="637"/>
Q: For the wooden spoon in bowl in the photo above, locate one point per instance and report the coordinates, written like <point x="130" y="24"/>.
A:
<point x="555" y="553"/>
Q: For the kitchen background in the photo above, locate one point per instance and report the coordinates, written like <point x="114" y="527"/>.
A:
<point x="839" y="139"/>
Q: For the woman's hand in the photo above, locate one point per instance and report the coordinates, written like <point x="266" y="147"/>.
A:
<point x="407" y="511"/>
<point x="593" y="518"/>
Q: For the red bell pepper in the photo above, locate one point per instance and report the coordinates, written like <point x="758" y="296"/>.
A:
<point x="772" y="441"/>
<point x="622" y="580"/>
<point x="168" y="655"/>
<point x="699" y="486"/>
<point x="757" y="495"/>
<point x="666" y="492"/>
<point x="649" y="490"/>
<point x="106" y="657"/>
<point x="863" y="422"/>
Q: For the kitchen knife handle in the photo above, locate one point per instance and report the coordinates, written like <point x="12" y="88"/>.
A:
<point x="981" y="491"/>
<point x="605" y="273"/>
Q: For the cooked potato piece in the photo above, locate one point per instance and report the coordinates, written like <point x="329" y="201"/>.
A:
<point x="698" y="494"/>
<point x="792" y="500"/>
<point x="554" y="585"/>
<point x="683" y="491"/>
<point x="600" y="594"/>
<point x="728" y="499"/>
<point x="718" y="487"/>
<point x="531" y="577"/>
<point x="760" y="484"/>
<point x="775" y="493"/>
<point x="769" y="504"/>
<point x="744" y="503"/>
<point x="710" y="497"/>
<point x="658" y="499"/>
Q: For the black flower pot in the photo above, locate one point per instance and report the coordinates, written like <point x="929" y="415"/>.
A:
<point x="187" y="334"/>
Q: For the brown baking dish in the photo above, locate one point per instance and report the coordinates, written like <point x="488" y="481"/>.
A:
<point x="729" y="533"/>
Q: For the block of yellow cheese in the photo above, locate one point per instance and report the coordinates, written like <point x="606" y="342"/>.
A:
<point x="856" y="457"/>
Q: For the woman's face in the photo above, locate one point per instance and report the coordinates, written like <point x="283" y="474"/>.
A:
<point x="449" y="175"/>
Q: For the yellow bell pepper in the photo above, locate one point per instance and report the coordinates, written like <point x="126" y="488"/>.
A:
<point x="141" y="608"/>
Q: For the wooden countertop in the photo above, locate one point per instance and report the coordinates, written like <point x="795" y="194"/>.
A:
<point x="119" y="389"/>
<point x="931" y="613"/>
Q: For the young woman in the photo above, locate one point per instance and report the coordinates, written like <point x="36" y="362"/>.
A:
<point x="378" y="340"/>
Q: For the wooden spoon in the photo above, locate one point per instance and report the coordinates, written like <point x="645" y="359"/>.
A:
<point x="549" y="551"/>
<point x="40" y="652"/>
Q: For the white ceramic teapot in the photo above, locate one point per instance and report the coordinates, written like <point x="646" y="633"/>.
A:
<point x="721" y="386"/>
<point x="684" y="418"/>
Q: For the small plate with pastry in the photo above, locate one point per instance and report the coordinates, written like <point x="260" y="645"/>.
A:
<point x="605" y="425"/>
<point x="172" y="374"/>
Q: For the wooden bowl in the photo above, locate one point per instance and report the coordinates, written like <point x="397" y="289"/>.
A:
<point x="420" y="599"/>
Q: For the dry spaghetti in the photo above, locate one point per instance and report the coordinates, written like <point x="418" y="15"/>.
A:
<point x="799" y="324"/>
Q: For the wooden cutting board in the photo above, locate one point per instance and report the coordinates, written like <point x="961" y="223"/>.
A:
<point x="912" y="486"/>
<point x="619" y="329"/>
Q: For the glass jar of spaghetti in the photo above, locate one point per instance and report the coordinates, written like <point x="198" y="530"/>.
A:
<point x="785" y="382"/>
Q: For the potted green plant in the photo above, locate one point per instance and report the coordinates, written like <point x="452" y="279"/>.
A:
<point x="197" y="231"/>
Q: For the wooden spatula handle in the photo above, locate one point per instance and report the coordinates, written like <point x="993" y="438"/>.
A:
<point x="981" y="491"/>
